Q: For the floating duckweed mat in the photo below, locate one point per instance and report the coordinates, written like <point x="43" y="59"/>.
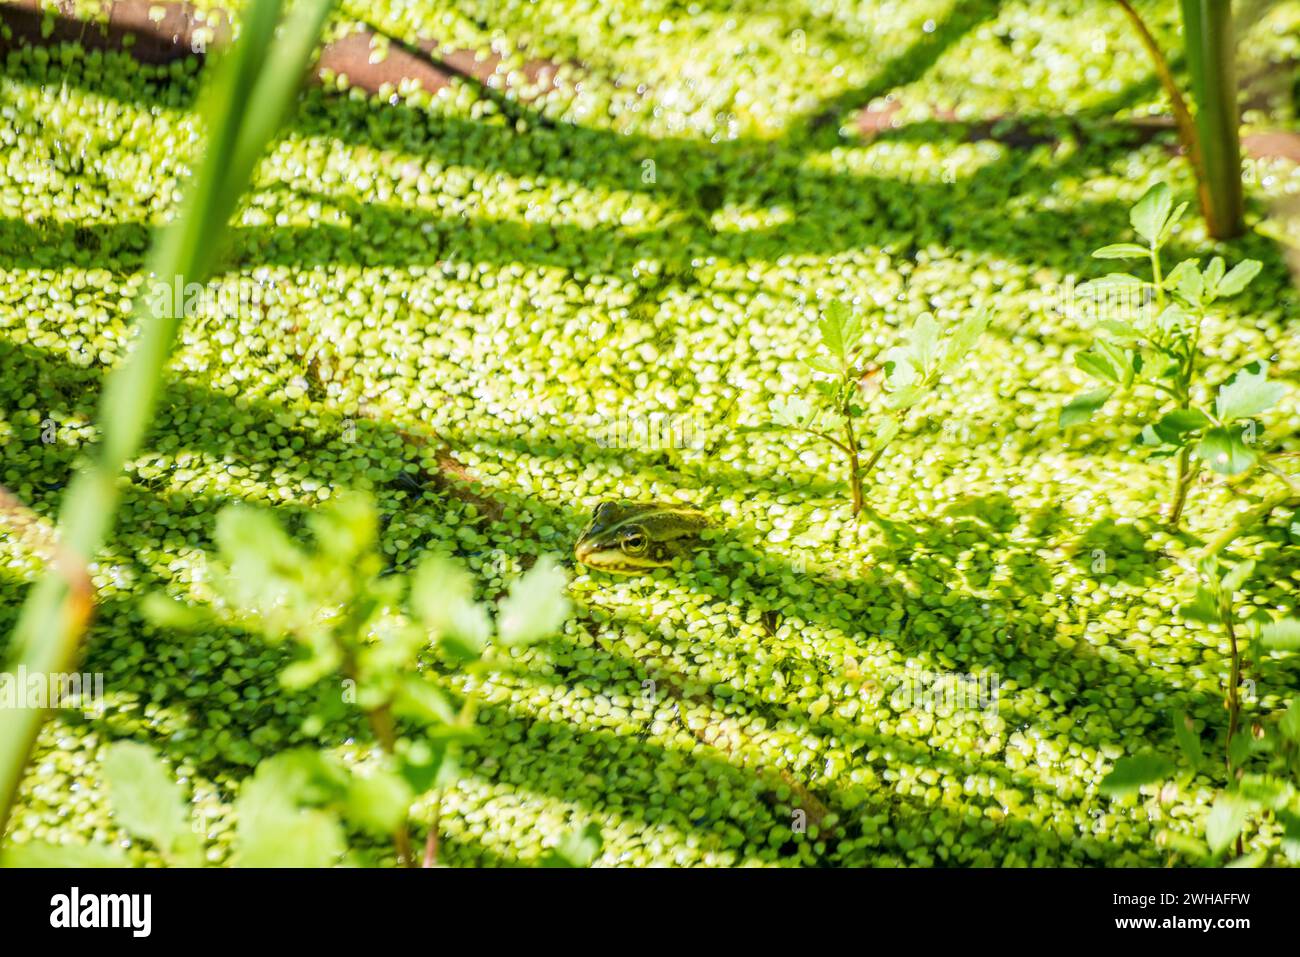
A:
<point x="486" y="320"/>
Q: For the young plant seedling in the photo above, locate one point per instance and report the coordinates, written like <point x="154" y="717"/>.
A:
<point x="836" y="409"/>
<point x="1261" y="766"/>
<point x="1148" y="334"/>
<point x="361" y="635"/>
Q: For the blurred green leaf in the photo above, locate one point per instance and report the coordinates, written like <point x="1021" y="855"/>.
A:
<point x="442" y="597"/>
<point x="1204" y="608"/>
<point x="1122" y="251"/>
<point x="378" y="801"/>
<point x="163" y="611"/>
<point x="1239" y="277"/>
<point x="42" y="854"/>
<point x="1132" y="773"/>
<point x="535" y="606"/>
<point x="1174" y="427"/>
<point x="1237" y="576"/>
<point x="1185" y="279"/>
<point x="1213" y="276"/>
<point x="1188" y="740"/>
<point x="963" y="339"/>
<point x="1266" y="790"/>
<point x="575" y="849"/>
<point x="1281" y="635"/>
<point x="148" y="801"/>
<point x="421" y="700"/>
<point x="1224" y="451"/>
<point x="1248" y="394"/>
<point x="1227" y="817"/>
<point x="832" y="328"/>
<point x="923" y="342"/>
<point x="281" y="822"/>
<point x="1289" y="725"/>
<point x="1082" y="407"/>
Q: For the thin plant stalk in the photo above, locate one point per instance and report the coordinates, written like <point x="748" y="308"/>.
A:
<point x="855" y="468"/>
<point x="1210" y="138"/>
<point x="1209" y="41"/>
<point x="249" y="98"/>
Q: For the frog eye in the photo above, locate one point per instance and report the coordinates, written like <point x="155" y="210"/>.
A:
<point x="634" y="542"/>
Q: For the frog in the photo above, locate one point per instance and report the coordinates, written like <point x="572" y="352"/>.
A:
<point x="629" y="538"/>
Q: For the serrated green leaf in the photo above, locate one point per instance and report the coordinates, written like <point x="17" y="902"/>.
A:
<point x="963" y="339"/>
<point x="1224" y="451"/>
<point x="1173" y="219"/>
<point x="923" y="342"/>
<point x="831" y="327"/>
<point x="1239" y="277"/>
<point x="1248" y="393"/>
<point x="1150" y="214"/>
<point x="1132" y="773"/>
<point x="148" y="801"/>
<point x="1213" y="275"/>
<point x="1121" y="251"/>
<point x="793" y="412"/>
<point x="1185" y="279"/>
<point x="1172" y="319"/>
<point x="904" y="398"/>
<point x="536" y="606"/>
<point x="442" y="597"/>
<point x="900" y="368"/>
<point x="1108" y="362"/>
<point x="1082" y="407"/>
<point x="886" y="433"/>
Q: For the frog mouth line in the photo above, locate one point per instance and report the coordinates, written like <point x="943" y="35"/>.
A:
<point x="618" y="566"/>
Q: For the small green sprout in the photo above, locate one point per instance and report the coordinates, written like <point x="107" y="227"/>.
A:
<point x="1261" y="765"/>
<point x="1148" y="334"/>
<point x="836" y="410"/>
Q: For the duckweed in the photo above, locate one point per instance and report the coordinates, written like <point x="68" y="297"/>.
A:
<point x="430" y="298"/>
